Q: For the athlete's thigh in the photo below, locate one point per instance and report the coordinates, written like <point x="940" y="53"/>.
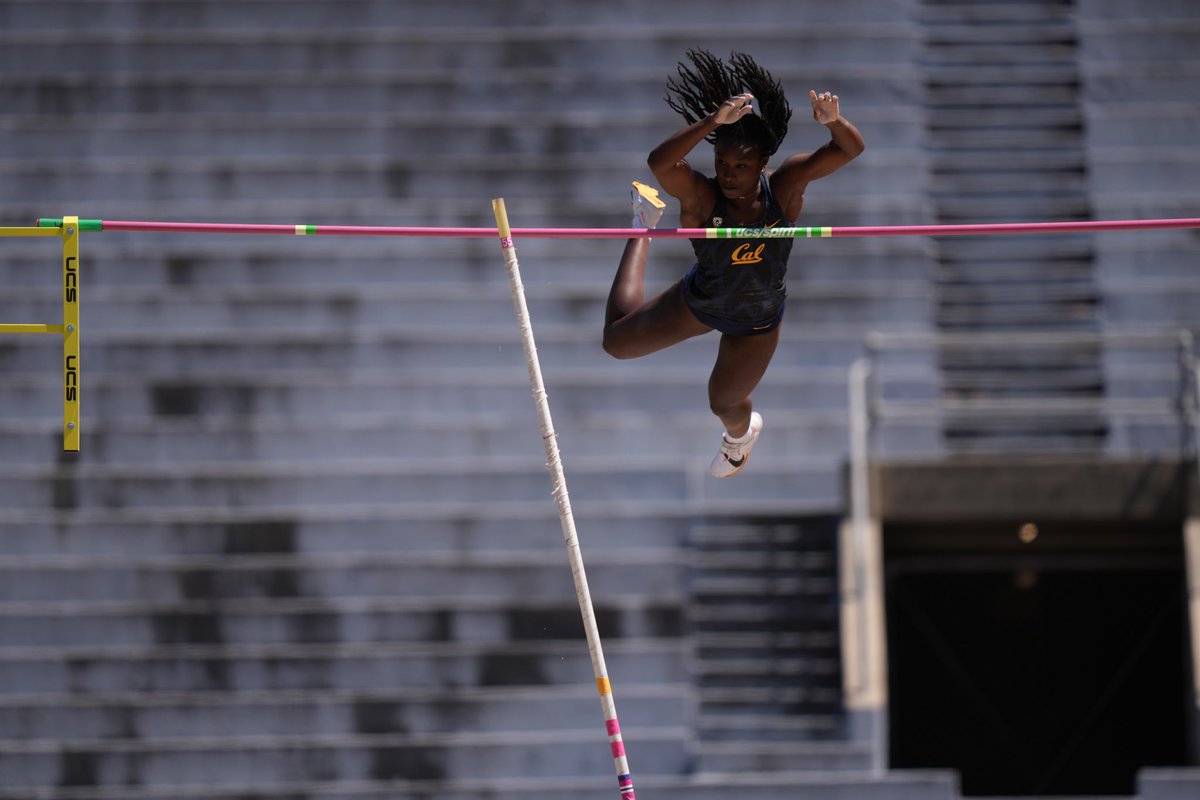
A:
<point x="741" y="363"/>
<point x="660" y="322"/>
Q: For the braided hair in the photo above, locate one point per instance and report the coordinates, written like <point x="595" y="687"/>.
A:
<point x="701" y="89"/>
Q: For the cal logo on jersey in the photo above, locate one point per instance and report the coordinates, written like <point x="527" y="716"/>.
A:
<point x="743" y="255"/>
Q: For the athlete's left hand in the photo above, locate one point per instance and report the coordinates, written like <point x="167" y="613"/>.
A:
<point x="825" y="107"/>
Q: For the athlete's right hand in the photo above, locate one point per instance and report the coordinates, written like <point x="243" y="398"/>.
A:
<point x="733" y="109"/>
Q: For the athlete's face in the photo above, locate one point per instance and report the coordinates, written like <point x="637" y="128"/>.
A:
<point x="738" y="167"/>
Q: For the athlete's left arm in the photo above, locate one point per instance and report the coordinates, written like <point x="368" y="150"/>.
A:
<point x="797" y="171"/>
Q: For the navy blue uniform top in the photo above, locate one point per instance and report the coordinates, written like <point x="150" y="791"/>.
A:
<point x="740" y="280"/>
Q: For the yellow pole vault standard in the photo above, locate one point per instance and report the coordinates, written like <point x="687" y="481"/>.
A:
<point x="68" y="232"/>
<point x="71" y="387"/>
<point x="563" y="500"/>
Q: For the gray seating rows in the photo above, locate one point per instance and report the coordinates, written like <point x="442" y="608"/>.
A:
<point x="309" y="544"/>
<point x="309" y="548"/>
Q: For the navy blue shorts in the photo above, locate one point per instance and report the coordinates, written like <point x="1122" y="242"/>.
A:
<point x="733" y="327"/>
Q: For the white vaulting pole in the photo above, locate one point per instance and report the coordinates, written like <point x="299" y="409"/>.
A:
<point x="561" y="498"/>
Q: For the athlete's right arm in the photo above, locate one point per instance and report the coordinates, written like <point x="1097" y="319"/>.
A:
<point x="669" y="163"/>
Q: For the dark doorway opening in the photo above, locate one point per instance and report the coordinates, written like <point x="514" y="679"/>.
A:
<point x="1037" y="659"/>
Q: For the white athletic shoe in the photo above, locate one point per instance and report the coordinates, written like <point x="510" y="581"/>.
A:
<point x="735" y="452"/>
<point x="647" y="207"/>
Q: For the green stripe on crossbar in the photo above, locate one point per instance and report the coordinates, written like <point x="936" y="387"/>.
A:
<point x="769" y="233"/>
<point x="84" y="224"/>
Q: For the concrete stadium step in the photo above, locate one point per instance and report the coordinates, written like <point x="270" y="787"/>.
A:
<point x="1169" y="303"/>
<point x="249" y="136"/>
<point x="218" y="180"/>
<point x="1081" y="316"/>
<point x="800" y="432"/>
<point x="355" y="14"/>
<point x="819" y="716"/>
<point x="980" y="270"/>
<point x="150" y="716"/>
<point x="1147" y="170"/>
<point x="1059" y="138"/>
<point x="370" y="667"/>
<point x="244" y="264"/>
<point x="114" y="262"/>
<point x="390" y="529"/>
<point x="1017" y="297"/>
<point x="1057" y="156"/>
<point x="733" y="585"/>
<point x="255" y="134"/>
<point x="420" y="348"/>
<point x="399" y="530"/>
<point x="737" y="574"/>
<point x="344" y="485"/>
<point x="966" y="115"/>
<point x="1110" y="11"/>
<point x="1167" y="783"/>
<point x="1011" y="209"/>
<point x="1109" y="126"/>
<point x="765" y="556"/>
<point x="355" y="485"/>
<point x="488" y="390"/>
<point x="592" y="785"/>
<point x="1167" y="36"/>
<point x="947" y="76"/>
<point x="798" y="731"/>
<point x="1147" y="80"/>
<point x="969" y="253"/>
<point x="1126" y="426"/>
<point x="1001" y="53"/>
<point x="1017" y="25"/>
<point x="774" y="700"/>
<point x="352" y="620"/>
<point x="755" y="757"/>
<point x="434" y="176"/>
<point x="1062" y="381"/>
<point x="1008" y="181"/>
<point x="884" y="206"/>
<point x="748" y="644"/>
<point x="998" y="16"/>
<point x="741" y="614"/>
<point x="1051" y="353"/>
<point x="782" y="576"/>
<point x="365" y="757"/>
<point x="751" y="536"/>
<point x="1143" y="204"/>
<point x="1015" y="439"/>
<point x="1115" y="435"/>
<point x="362" y="93"/>
<point x="939" y="97"/>
<point x="530" y="575"/>
<point x="1082" y="432"/>
<point x="1026" y="305"/>
<point x="478" y="48"/>
<point x="340" y="307"/>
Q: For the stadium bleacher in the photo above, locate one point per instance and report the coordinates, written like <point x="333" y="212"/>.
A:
<point x="308" y="548"/>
